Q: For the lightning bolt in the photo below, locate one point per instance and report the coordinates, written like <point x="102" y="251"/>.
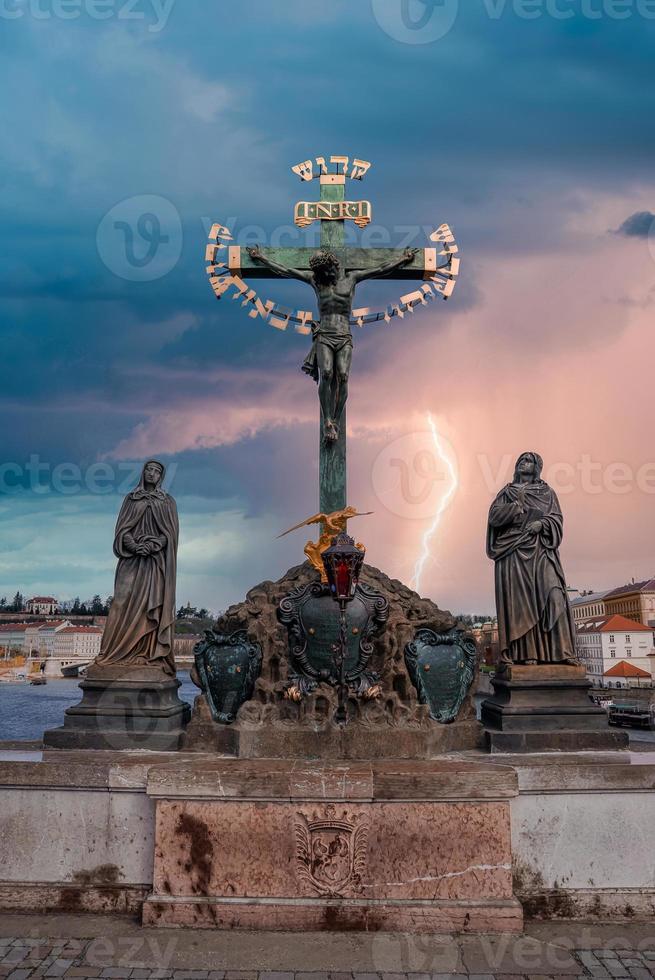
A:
<point x="445" y="501"/>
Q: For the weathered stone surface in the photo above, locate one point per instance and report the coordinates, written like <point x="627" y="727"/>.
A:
<point x="345" y="863"/>
<point x="283" y="779"/>
<point x="433" y="917"/>
<point x="563" y="742"/>
<point x="546" y="708"/>
<point x="75" y="838"/>
<point x="395" y="725"/>
<point x="581" y="837"/>
<point x="279" y="844"/>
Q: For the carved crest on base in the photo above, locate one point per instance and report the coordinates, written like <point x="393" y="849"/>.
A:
<point x="331" y="851"/>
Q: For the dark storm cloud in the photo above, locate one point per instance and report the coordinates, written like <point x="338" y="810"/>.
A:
<point x="498" y="127"/>
<point x="637" y="225"/>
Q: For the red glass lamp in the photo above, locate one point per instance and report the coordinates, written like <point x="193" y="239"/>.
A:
<point x="343" y="563"/>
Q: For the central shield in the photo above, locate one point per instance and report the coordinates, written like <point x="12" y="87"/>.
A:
<point x="311" y="617"/>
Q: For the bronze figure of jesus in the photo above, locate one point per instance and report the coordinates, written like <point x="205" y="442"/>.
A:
<point x="330" y="358"/>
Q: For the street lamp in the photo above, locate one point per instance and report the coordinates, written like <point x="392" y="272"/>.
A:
<point x="342" y="562"/>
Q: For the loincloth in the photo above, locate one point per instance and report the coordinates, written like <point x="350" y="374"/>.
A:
<point x="336" y="343"/>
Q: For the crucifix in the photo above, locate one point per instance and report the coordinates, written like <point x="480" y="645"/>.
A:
<point x="334" y="272"/>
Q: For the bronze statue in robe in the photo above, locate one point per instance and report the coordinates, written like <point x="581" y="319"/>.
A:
<point x="535" y="624"/>
<point x="141" y="621"/>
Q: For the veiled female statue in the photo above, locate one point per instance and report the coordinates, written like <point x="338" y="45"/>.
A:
<point x="141" y="621"/>
<point x="524" y="533"/>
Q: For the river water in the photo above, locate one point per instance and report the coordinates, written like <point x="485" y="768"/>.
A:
<point x="27" y="710"/>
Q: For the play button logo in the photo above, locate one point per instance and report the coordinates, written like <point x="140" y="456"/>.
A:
<point x="416" y="21"/>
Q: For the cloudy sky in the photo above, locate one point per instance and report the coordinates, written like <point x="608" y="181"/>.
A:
<point x="126" y="129"/>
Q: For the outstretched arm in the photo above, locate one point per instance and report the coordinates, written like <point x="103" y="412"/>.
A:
<point x="280" y="270"/>
<point x="382" y="270"/>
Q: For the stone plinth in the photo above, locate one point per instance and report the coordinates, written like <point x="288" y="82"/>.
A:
<point x="545" y="708"/>
<point x="411" y="847"/>
<point x="123" y="708"/>
<point x="305" y="736"/>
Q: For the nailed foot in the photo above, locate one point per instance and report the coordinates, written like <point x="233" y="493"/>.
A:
<point x="330" y="431"/>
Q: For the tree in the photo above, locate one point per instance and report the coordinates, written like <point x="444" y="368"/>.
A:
<point x="18" y="604"/>
<point x="108" y="603"/>
<point x="97" y="606"/>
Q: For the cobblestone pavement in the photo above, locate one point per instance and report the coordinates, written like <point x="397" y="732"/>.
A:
<point x="131" y="953"/>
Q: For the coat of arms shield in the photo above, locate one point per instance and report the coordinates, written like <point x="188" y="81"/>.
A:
<point x="331" y="852"/>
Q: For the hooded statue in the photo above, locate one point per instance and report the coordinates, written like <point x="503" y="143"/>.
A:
<point x="524" y="533"/>
<point x="139" y="630"/>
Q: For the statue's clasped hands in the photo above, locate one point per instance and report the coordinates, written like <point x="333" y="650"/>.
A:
<point x="143" y="549"/>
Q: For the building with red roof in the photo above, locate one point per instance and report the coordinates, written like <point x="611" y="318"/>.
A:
<point x="605" y="643"/>
<point x="634" y="601"/>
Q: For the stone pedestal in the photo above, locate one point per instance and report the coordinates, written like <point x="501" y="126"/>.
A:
<point x="123" y="708"/>
<point x="546" y="708"/>
<point x="396" y="846"/>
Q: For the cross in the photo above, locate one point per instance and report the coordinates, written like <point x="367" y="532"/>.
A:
<point x="329" y="362"/>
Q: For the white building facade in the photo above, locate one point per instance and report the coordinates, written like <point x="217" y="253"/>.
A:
<point x="42" y="605"/>
<point x="604" y="643"/>
<point x="75" y="643"/>
<point x="12" y="639"/>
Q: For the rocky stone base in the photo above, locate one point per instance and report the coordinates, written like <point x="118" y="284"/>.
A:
<point x="137" y="708"/>
<point x="546" y="708"/>
<point x="317" y="737"/>
<point x="394" y="725"/>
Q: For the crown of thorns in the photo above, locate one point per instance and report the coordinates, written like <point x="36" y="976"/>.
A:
<point x="324" y="259"/>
